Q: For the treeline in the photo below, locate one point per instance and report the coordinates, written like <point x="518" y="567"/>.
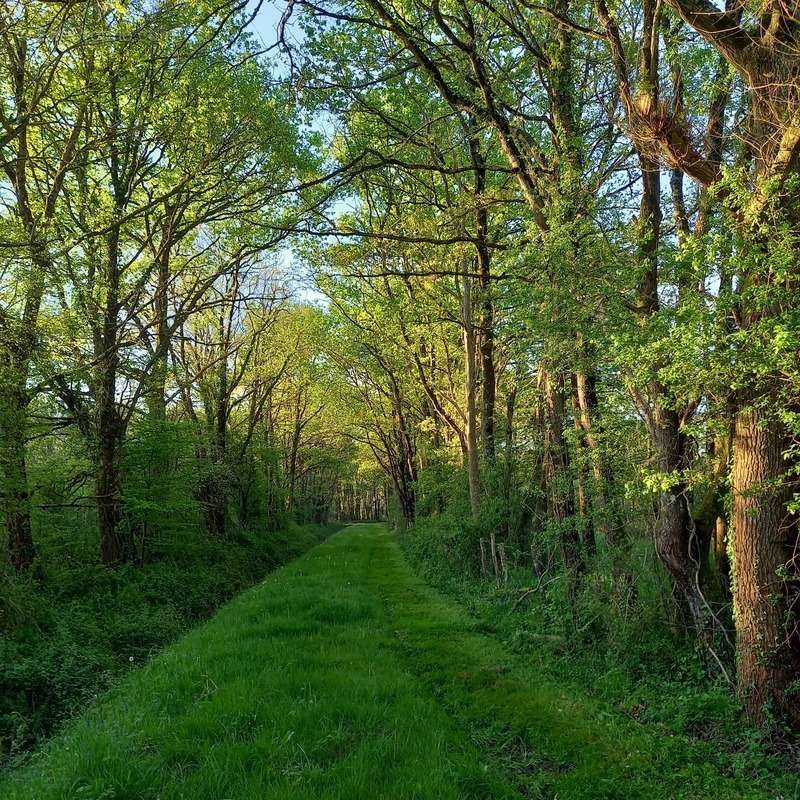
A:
<point x="569" y="287"/>
<point x="559" y="243"/>
<point x="155" y="374"/>
<point x="168" y="424"/>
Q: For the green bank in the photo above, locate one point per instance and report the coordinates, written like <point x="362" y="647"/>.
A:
<point x="344" y="676"/>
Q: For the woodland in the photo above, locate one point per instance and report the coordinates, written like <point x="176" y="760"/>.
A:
<point x="519" y="279"/>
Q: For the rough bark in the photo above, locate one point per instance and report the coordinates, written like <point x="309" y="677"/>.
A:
<point x="674" y="537"/>
<point x="559" y="479"/>
<point x="766" y="559"/>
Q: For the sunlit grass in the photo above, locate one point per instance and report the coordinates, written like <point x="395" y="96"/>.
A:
<point x="344" y="676"/>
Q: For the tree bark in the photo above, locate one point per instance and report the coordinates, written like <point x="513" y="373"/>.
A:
<point x="508" y="463"/>
<point x="116" y="544"/>
<point x="486" y="323"/>
<point x="470" y="391"/>
<point x="609" y="519"/>
<point x="559" y="480"/>
<point x="585" y="511"/>
<point x="765" y="551"/>
<point x="16" y="496"/>
<point x="674" y="540"/>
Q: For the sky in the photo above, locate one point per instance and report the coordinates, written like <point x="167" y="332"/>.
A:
<point x="266" y="23"/>
<point x="265" y="26"/>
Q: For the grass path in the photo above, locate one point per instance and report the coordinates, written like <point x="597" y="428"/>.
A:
<point x="344" y="677"/>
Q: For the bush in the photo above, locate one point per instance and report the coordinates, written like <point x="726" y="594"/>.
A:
<point x="624" y="657"/>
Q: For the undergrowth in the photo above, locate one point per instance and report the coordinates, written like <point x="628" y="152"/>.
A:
<point x="71" y="629"/>
<point x="628" y="659"/>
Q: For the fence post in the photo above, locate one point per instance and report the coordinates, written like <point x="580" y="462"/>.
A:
<point x="493" y="545"/>
<point x="504" y="564"/>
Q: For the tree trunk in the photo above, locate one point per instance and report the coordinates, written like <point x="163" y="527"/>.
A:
<point x="294" y="450"/>
<point x="216" y="495"/>
<point x="486" y="324"/>
<point x="508" y="463"/>
<point x="489" y="379"/>
<point x="584" y="456"/>
<point x="16" y="498"/>
<point x="116" y="544"/>
<point x="559" y="481"/>
<point x="674" y="540"/>
<point x="710" y="516"/>
<point x="17" y="347"/>
<point x="608" y="517"/>
<point x="721" y="558"/>
<point x="765" y="551"/>
<point x="157" y="380"/>
<point x="470" y="391"/>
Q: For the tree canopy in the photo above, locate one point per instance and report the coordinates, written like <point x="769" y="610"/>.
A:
<point x="520" y="277"/>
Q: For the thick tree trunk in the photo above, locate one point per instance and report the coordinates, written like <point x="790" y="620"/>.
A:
<point x="559" y="480"/>
<point x="765" y="551"/>
<point x="116" y="543"/>
<point x="16" y="498"/>
<point x="674" y="540"/>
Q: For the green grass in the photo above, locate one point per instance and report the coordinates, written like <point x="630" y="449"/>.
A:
<point x="344" y="676"/>
<point x="71" y="628"/>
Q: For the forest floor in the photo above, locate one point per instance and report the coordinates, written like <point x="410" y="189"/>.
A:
<point x="344" y="676"/>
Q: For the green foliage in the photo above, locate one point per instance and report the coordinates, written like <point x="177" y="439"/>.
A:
<point x="366" y="677"/>
<point x="160" y="469"/>
<point x="624" y="658"/>
<point x="75" y="630"/>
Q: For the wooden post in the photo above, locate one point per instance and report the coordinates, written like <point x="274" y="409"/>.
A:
<point x="504" y="564"/>
<point x="483" y="557"/>
<point x="493" y="546"/>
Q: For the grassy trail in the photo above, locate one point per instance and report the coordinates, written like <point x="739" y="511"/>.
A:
<point x="344" y="677"/>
